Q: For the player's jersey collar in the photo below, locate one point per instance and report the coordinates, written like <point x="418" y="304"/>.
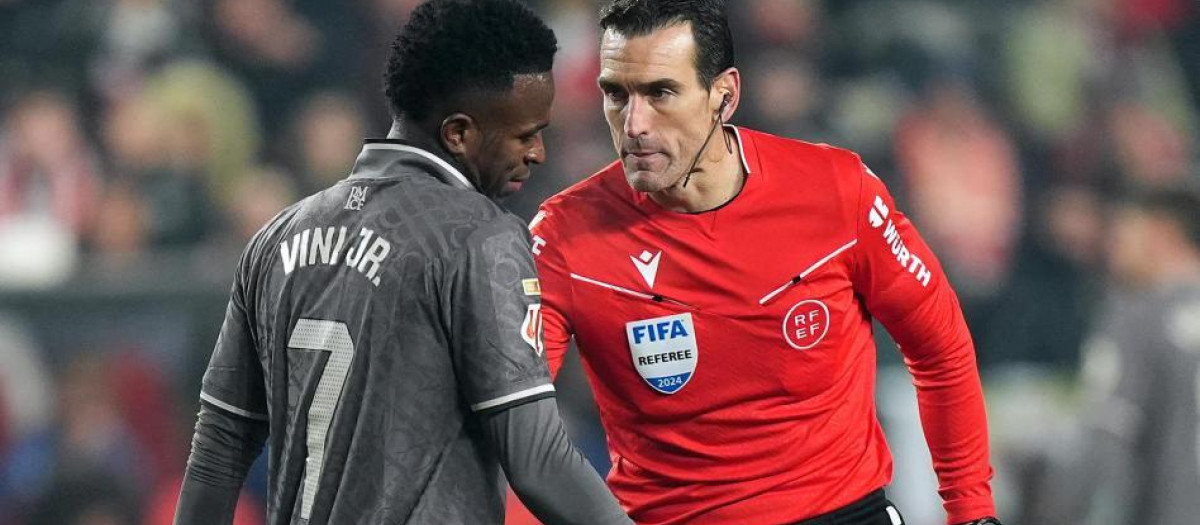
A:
<point x="379" y="155"/>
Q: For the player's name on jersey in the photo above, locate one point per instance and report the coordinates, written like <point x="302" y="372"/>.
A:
<point x="330" y="246"/>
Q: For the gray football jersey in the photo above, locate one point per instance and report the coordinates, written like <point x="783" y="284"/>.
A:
<point x="367" y="324"/>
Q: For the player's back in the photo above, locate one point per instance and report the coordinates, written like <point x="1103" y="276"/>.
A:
<point x="348" y="295"/>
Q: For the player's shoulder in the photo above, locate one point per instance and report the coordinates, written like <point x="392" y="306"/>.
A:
<point x="260" y="245"/>
<point x="423" y="193"/>
<point x="433" y="210"/>
<point x="278" y="226"/>
<point x="604" y="193"/>
<point x="464" y="218"/>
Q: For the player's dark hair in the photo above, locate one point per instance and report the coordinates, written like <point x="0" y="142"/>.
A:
<point x="708" y="19"/>
<point x="1179" y="204"/>
<point x="449" y="47"/>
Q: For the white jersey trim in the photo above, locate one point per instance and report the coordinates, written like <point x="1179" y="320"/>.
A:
<point x="513" y="397"/>
<point x="741" y="151"/>
<point x="230" y="408"/>
<point x="894" y="515"/>
<point x="612" y="287"/>
<point x="418" y="151"/>
<point x="806" y="272"/>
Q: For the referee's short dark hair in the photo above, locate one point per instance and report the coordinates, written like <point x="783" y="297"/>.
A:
<point x="708" y="18"/>
<point x="449" y="47"/>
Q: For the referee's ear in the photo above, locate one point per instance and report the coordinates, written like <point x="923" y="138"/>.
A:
<point x="729" y="82"/>
<point x="458" y="131"/>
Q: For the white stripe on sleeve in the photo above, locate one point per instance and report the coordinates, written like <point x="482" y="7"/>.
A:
<point x="513" y="397"/>
<point x="230" y="408"/>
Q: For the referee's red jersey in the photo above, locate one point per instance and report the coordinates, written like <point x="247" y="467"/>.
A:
<point x="731" y="352"/>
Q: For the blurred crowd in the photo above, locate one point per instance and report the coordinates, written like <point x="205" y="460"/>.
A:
<point x="143" y="141"/>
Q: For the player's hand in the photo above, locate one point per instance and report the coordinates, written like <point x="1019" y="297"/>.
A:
<point x="985" y="521"/>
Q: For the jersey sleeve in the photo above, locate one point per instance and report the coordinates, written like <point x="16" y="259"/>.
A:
<point x="494" y="320"/>
<point x="904" y="288"/>
<point x="556" y="287"/>
<point x="234" y="379"/>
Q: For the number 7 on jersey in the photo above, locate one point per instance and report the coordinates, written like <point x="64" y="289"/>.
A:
<point x="332" y="337"/>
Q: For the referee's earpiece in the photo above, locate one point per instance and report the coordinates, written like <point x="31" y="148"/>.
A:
<point x="717" y="122"/>
<point x="724" y="104"/>
<point x="725" y="101"/>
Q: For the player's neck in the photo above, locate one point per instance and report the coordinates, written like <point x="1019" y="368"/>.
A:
<point x="717" y="180"/>
<point x="416" y="137"/>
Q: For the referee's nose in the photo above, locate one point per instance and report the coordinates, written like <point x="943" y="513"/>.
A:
<point x="637" y="117"/>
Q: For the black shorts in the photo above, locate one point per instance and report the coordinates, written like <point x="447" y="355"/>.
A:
<point x="872" y="509"/>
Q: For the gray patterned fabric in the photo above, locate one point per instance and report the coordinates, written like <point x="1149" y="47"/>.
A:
<point x="410" y="282"/>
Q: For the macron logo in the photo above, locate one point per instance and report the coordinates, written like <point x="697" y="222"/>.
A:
<point x="879" y="212"/>
<point x="647" y="265"/>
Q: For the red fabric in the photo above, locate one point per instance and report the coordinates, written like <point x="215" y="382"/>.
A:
<point x="764" y="430"/>
<point x="516" y="513"/>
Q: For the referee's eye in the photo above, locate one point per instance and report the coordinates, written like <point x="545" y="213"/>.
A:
<point x="615" y="96"/>
<point x="661" y="94"/>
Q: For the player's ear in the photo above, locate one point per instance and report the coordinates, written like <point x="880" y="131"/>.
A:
<point x="457" y="133"/>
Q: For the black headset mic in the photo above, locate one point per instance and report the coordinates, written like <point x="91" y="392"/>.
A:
<point x="720" y="117"/>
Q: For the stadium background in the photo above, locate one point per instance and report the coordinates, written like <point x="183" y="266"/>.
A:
<point x="143" y="141"/>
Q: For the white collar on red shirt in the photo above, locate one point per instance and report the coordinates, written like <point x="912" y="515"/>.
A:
<point x="741" y="150"/>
